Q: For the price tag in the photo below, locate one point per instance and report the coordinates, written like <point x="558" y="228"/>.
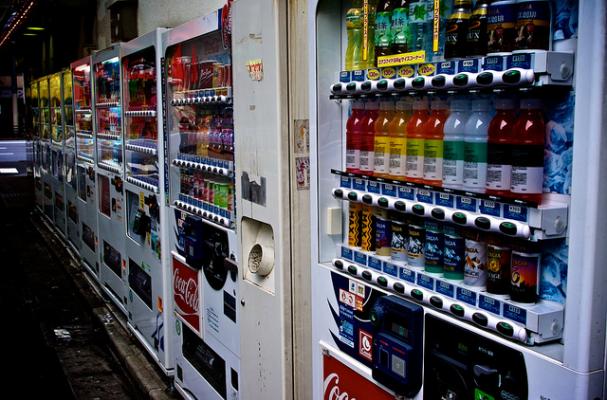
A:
<point x="515" y="313"/>
<point x="445" y="288"/>
<point x="425" y="281"/>
<point x="467" y="296"/>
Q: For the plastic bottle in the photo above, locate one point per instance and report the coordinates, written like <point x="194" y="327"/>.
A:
<point x="476" y="37"/>
<point x="381" y="158"/>
<point x="400" y="27"/>
<point x="415" y="141"/>
<point x="475" y="146"/>
<point x="383" y="28"/>
<point x="528" y="152"/>
<point x="367" y="145"/>
<point x="457" y="30"/>
<point x="354" y="27"/>
<point x="398" y="139"/>
<point x="354" y="136"/>
<point x="433" y="142"/>
<point x="499" y="167"/>
<point x="453" y="144"/>
<point x="420" y="25"/>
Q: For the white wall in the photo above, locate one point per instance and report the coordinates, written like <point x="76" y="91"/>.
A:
<point x="169" y="14"/>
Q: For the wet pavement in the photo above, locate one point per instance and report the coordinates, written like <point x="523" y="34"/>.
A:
<point x="52" y="345"/>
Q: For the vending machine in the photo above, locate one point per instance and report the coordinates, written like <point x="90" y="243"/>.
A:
<point x="34" y="100"/>
<point x="200" y="192"/>
<point x="147" y="248"/>
<point x="86" y="202"/>
<point x="71" y="182"/>
<point x="57" y="157"/>
<point x="45" y="138"/>
<point x="457" y="177"/>
<point x="107" y="91"/>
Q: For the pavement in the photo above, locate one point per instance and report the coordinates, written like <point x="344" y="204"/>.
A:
<point x="63" y="339"/>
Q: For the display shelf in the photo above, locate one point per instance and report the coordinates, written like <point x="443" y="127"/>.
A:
<point x="85" y="158"/>
<point x="84" y="134"/>
<point x="205" y="210"/>
<point x="140" y="113"/>
<point x="107" y="104"/>
<point x="518" y="70"/>
<point x="143" y="183"/>
<point x="109" y="167"/>
<point x="205" y="165"/>
<point x="141" y="149"/>
<point x="108" y="136"/>
<point x="508" y="217"/>
<point x="528" y="323"/>
<point x="203" y="96"/>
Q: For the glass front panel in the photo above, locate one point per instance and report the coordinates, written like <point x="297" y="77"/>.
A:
<point x="45" y="112"/>
<point x="56" y="120"/>
<point x="82" y="109"/>
<point x="108" y="113"/>
<point x="34" y="100"/>
<point x="141" y="126"/>
<point x="70" y="169"/>
<point x="68" y="109"/>
<point x="200" y="125"/>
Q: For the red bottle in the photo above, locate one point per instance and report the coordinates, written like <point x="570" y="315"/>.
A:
<point x="354" y="134"/>
<point x="433" y="142"/>
<point x="367" y="145"/>
<point x="499" y="163"/>
<point x="528" y="152"/>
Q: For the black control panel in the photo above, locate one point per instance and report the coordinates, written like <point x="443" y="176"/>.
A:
<point x="460" y="364"/>
<point x="397" y="344"/>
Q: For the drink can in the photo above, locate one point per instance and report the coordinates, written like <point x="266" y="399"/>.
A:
<point x="415" y="243"/>
<point x="524" y="276"/>
<point x="453" y="253"/>
<point x="498" y="269"/>
<point x="367" y="229"/>
<point x="475" y="268"/>
<point x="533" y="25"/>
<point x="220" y="76"/>
<point x="354" y="222"/>
<point x="216" y="75"/>
<point x="228" y="74"/>
<point x="433" y="247"/>
<point x="399" y="238"/>
<point x="383" y="233"/>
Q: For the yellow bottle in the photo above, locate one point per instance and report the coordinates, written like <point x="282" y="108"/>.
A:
<point x="382" y="140"/>
<point x="397" y="130"/>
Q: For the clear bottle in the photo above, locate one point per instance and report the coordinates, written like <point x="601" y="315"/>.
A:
<point x="381" y="158"/>
<point x="475" y="146"/>
<point x="433" y="142"/>
<point x="400" y="27"/>
<point x="415" y="141"/>
<point x="420" y="25"/>
<point x="354" y="136"/>
<point x="354" y="27"/>
<point x="499" y="151"/>
<point x="453" y="143"/>
<point x="398" y="139"/>
<point x="383" y="28"/>
<point x="367" y="148"/>
<point x="528" y="136"/>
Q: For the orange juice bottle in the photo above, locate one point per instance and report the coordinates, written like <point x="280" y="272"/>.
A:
<point x="433" y="143"/>
<point x="398" y="139"/>
<point x="381" y="159"/>
<point x="415" y="141"/>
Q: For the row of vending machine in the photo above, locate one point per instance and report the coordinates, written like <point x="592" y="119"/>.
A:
<point x="134" y="166"/>
<point x="455" y="225"/>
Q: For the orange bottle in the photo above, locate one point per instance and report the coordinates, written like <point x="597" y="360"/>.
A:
<point x="433" y="143"/>
<point x="398" y="139"/>
<point x="381" y="159"/>
<point x="415" y="141"/>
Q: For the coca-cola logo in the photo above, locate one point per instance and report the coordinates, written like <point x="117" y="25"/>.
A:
<point x="186" y="291"/>
<point x="343" y="383"/>
<point x="332" y="391"/>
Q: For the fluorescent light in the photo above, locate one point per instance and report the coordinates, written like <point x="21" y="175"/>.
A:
<point x="34" y="28"/>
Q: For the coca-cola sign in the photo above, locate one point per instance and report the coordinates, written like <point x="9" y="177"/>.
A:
<point x="342" y="383"/>
<point x="185" y="293"/>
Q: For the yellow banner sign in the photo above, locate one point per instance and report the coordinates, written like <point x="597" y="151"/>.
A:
<point x="414" y="57"/>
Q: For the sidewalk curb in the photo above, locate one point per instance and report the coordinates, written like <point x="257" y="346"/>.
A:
<point x="135" y="361"/>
